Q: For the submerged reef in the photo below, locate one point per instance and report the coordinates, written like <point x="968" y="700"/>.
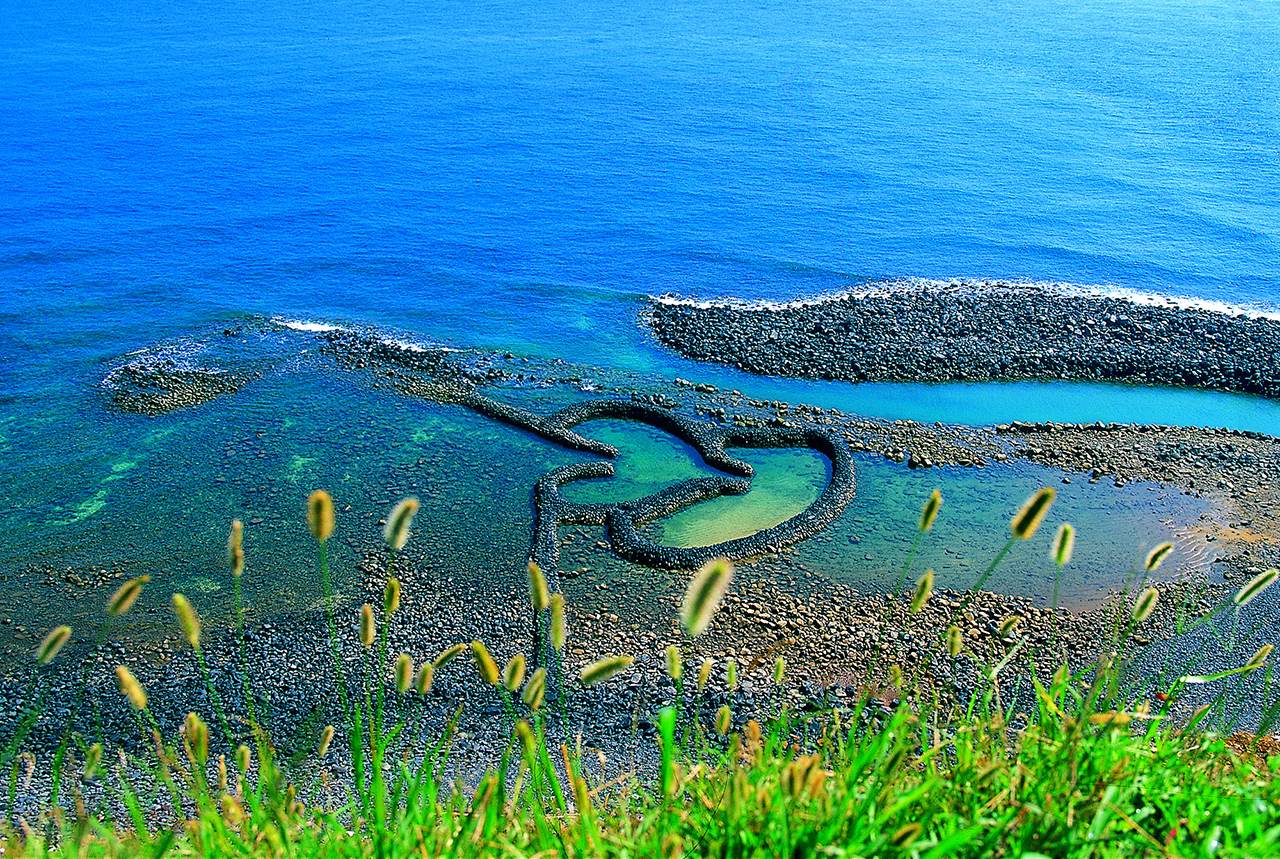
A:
<point x="981" y="332"/>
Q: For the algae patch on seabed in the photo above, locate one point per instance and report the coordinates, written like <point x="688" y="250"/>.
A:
<point x="87" y="508"/>
<point x="300" y="466"/>
<point x="785" y="483"/>
<point x="648" y="461"/>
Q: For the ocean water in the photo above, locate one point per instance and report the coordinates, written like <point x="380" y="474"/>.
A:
<point x="503" y="177"/>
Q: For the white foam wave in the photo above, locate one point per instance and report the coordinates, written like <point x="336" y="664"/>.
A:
<point x="904" y="286"/>
<point x="310" y="327"/>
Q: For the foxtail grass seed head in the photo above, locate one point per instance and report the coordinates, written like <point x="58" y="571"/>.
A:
<point x="904" y="837"/>
<point x="539" y="592"/>
<point x="326" y="737"/>
<point x="187" y="619"/>
<point x="535" y="690"/>
<point x="602" y="669"/>
<point x="1145" y="605"/>
<point x="930" y="511"/>
<point x="391" y="596"/>
<point x="124" y="598"/>
<point x="1156" y="556"/>
<point x="485" y="666"/>
<point x="675" y="665"/>
<point x="724" y="719"/>
<point x="779" y="670"/>
<point x="731" y="674"/>
<point x="404" y="672"/>
<point x="557" y="622"/>
<point x="320" y="515"/>
<point x="222" y="773"/>
<point x="955" y="641"/>
<point x="235" y="548"/>
<point x="448" y="655"/>
<point x="706" y="589"/>
<point x="513" y="672"/>
<point x="895" y="675"/>
<point x="53" y="642"/>
<point x="1256" y="585"/>
<point x="1024" y="525"/>
<point x="1007" y="625"/>
<point x="368" y="629"/>
<point x="924" y="590"/>
<point x="1259" y="658"/>
<point x="396" y="532"/>
<point x="196" y="734"/>
<point x="131" y="688"/>
<point x="528" y="741"/>
<point x="244" y="759"/>
<point x="704" y="672"/>
<point x="424" y="678"/>
<point x="1063" y="544"/>
<point x="92" y="760"/>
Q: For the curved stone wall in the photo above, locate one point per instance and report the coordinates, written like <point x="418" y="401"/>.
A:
<point x="625" y="518"/>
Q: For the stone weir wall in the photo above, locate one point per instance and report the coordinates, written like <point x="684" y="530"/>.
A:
<point x="624" y="519"/>
<point x="982" y="332"/>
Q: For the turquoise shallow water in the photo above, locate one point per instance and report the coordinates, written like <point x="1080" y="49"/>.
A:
<point x="520" y="179"/>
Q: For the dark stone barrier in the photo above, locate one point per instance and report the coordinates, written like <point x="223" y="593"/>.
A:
<point x="625" y="518"/>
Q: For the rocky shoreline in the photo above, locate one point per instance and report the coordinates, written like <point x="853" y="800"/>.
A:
<point x="831" y="636"/>
<point x="977" y="332"/>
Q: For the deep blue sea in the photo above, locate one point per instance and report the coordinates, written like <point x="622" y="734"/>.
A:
<point x="516" y="177"/>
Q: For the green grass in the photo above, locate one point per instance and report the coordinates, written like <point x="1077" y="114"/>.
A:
<point x="1090" y="771"/>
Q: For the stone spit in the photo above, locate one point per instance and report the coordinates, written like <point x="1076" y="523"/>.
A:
<point x="981" y="332"/>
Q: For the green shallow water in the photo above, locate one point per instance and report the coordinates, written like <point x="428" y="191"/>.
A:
<point x="123" y="495"/>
